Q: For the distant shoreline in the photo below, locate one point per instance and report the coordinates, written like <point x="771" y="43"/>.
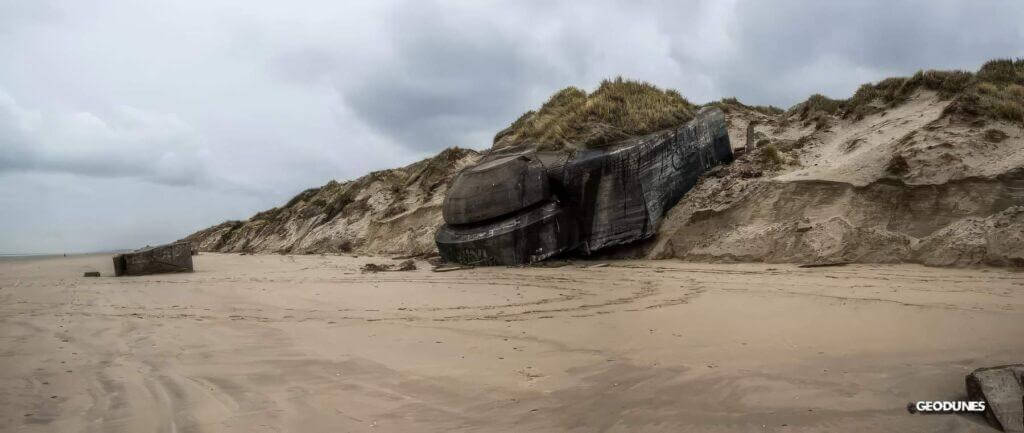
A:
<point x="47" y="255"/>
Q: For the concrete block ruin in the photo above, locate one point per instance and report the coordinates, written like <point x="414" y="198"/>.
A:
<point x="1002" y="389"/>
<point x="519" y="206"/>
<point x="175" y="257"/>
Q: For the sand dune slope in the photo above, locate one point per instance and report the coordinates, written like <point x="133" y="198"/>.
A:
<point x="389" y="211"/>
<point x="909" y="184"/>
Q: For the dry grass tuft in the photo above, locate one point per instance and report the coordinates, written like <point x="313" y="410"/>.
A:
<point x="618" y="109"/>
<point x="820" y="103"/>
<point x="995" y="91"/>
<point x="1002" y="71"/>
<point x="897" y="165"/>
<point x="995" y="135"/>
<point x="770" y="156"/>
<point x="729" y="104"/>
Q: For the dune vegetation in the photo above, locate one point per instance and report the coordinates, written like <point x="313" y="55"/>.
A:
<point x="622" y="108"/>
<point x="996" y="91"/>
<point x="618" y="109"/>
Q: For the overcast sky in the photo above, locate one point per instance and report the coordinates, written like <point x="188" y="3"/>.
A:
<point x="126" y="123"/>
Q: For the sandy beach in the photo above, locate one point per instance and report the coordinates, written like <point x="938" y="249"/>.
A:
<point x="273" y="343"/>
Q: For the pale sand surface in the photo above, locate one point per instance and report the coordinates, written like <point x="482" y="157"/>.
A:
<point x="308" y="343"/>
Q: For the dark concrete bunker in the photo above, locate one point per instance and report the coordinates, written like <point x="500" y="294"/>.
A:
<point x="519" y="206"/>
<point x="174" y="257"/>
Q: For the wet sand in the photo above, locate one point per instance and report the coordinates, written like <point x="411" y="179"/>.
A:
<point x="308" y="343"/>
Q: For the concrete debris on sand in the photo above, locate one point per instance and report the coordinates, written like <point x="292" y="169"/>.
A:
<point x="450" y="267"/>
<point x="822" y="265"/>
<point x="91" y="274"/>
<point x="408" y="265"/>
<point x="175" y="257"/>
<point x="373" y="267"/>
<point x="1002" y="389"/>
<point x="549" y="264"/>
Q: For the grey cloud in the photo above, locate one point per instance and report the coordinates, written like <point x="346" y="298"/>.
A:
<point x="303" y="65"/>
<point x="126" y="143"/>
<point x="444" y="80"/>
<point x="455" y="75"/>
<point x="786" y="47"/>
<point x="60" y="212"/>
<point x="17" y="13"/>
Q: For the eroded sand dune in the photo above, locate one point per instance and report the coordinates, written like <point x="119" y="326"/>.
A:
<point x="308" y="343"/>
<point x="908" y="184"/>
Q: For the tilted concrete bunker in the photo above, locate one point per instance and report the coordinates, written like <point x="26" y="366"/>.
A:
<point x="174" y="257"/>
<point x="520" y="206"/>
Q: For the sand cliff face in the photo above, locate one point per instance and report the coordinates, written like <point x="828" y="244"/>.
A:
<point x="907" y="184"/>
<point x="910" y="182"/>
<point x="386" y="212"/>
